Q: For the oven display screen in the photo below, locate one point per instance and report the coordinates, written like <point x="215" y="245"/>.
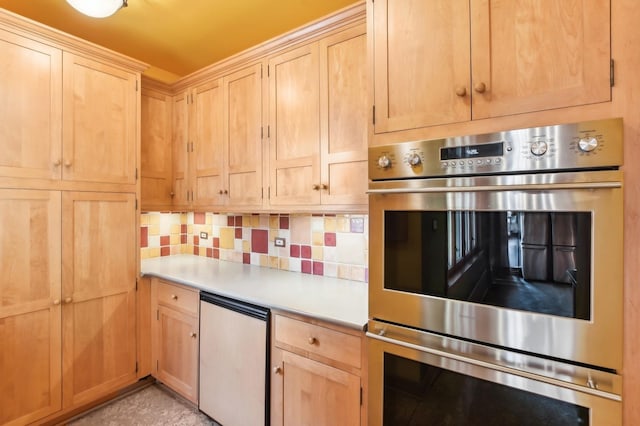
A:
<point x="472" y="151"/>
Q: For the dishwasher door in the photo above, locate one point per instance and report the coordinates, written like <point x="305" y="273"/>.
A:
<point x="234" y="348"/>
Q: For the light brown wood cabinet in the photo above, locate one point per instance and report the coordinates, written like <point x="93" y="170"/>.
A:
<point x="316" y="373"/>
<point x="175" y="338"/>
<point x="317" y="122"/>
<point x="156" y="149"/>
<point x="440" y="61"/>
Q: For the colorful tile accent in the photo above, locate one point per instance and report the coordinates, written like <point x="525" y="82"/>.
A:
<point x="319" y="244"/>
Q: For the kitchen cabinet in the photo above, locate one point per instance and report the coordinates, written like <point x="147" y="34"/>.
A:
<point x="316" y="373"/>
<point x="156" y="148"/>
<point x="439" y="62"/>
<point x="175" y="338"/>
<point x="64" y="302"/>
<point x="317" y="122"/>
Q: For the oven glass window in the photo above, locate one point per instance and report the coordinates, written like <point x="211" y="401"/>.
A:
<point x="530" y="261"/>
<point x="420" y="394"/>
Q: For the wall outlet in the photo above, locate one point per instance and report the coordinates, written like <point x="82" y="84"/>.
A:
<point x="280" y="242"/>
<point x="204" y="235"/>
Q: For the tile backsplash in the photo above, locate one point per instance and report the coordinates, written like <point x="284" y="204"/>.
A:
<point x="329" y="245"/>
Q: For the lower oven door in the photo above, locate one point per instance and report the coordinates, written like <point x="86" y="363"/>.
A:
<point x="452" y="382"/>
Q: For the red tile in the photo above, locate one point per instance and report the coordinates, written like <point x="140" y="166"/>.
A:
<point x="165" y="240"/>
<point x="306" y="266"/>
<point x="183" y="229"/>
<point x="230" y="221"/>
<point x="209" y="252"/>
<point x="318" y="268"/>
<point x="144" y="237"/>
<point x="196" y="240"/>
<point x="238" y="220"/>
<point x="216" y="253"/>
<point x="183" y="239"/>
<point x="284" y="222"/>
<point x="305" y="252"/>
<point x="246" y="258"/>
<point x="259" y="241"/>
<point x="199" y="218"/>
<point x="165" y="251"/>
<point x="239" y="233"/>
<point x="216" y="242"/>
<point x="196" y="250"/>
<point x="330" y="239"/>
<point x="294" y="251"/>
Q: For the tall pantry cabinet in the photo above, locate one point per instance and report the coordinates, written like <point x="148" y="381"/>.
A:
<point x="68" y="220"/>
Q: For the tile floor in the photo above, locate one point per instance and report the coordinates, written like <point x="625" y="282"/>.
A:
<point x="153" y="405"/>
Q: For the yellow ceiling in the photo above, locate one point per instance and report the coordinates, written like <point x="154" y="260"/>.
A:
<point x="178" y="37"/>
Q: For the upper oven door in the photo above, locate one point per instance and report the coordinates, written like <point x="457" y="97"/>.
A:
<point x="529" y="262"/>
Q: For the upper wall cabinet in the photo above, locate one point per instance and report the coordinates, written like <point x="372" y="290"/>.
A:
<point x="446" y="61"/>
<point x="318" y="123"/>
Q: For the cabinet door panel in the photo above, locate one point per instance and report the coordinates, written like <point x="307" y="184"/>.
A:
<point x="243" y="122"/>
<point x="208" y="144"/>
<point x="421" y="51"/>
<point x="316" y="394"/>
<point x="99" y="271"/>
<point x="534" y="55"/>
<point x="99" y="122"/>
<point x="344" y="117"/>
<point x="155" y="159"/>
<point x="180" y="152"/>
<point x="31" y="108"/>
<point x="30" y="364"/>
<point x="294" y="127"/>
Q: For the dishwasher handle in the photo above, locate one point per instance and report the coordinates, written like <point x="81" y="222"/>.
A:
<point x="245" y="308"/>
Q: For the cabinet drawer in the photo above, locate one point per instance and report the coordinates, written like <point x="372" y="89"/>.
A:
<point x="178" y="297"/>
<point x="314" y="339"/>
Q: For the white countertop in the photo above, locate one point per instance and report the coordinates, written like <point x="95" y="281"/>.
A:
<point x="331" y="299"/>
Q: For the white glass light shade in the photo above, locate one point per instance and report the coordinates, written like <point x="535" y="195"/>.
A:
<point x="97" y="8"/>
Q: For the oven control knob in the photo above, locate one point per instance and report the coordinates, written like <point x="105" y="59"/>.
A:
<point x="538" y="148"/>
<point x="414" y="159"/>
<point x="384" y="162"/>
<point x="587" y="144"/>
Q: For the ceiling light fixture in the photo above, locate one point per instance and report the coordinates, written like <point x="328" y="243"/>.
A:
<point x="98" y="8"/>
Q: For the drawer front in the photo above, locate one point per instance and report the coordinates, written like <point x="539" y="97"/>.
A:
<point x="178" y="297"/>
<point x="322" y="341"/>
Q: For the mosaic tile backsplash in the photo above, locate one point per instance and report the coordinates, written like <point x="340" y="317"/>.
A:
<point x="329" y="245"/>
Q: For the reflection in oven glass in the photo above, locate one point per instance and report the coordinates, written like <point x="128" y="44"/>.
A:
<point x="530" y="261"/>
<point x="420" y="394"/>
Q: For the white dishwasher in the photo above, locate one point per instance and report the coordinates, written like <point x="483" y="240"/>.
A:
<point x="234" y="356"/>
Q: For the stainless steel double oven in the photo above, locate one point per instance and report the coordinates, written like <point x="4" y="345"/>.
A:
<point x="495" y="289"/>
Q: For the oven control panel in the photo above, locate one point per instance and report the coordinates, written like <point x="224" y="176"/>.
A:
<point x="576" y="146"/>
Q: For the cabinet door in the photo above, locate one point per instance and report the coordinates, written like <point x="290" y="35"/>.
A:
<point x="99" y="122"/>
<point x="344" y="115"/>
<point x="180" y="152"/>
<point x="155" y="149"/>
<point x="206" y="135"/>
<point x="532" y="55"/>
<point x="421" y="63"/>
<point x="176" y="335"/>
<point x="31" y="108"/>
<point x="98" y="294"/>
<point x="294" y="127"/>
<point x="242" y="127"/>
<point x="30" y="366"/>
<point x="317" y="394"/>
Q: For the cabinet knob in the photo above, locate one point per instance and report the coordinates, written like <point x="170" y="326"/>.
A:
<point x="68" y="300"/>
<point x="67" y="163"/>
<point x="220" y="192"/>
<point x="56" y="302"/>
<point x="277" y="370"/>
<point x="324" y="186"/>
<point x="174" y="296"/>
<point x="316" y="187"/>
<point x="57" y="162"/>
<point x="193" y="334"/>
<point x="226" y="192"/>
<point x="312" y="340"/>
<point x="461" y="91"/>
<point x="172" y="194"/>
<point x="480" y="88"/>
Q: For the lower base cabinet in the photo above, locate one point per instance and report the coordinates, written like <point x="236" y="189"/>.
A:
<point x="316" y="373"/>
<point x="175" y="338"/>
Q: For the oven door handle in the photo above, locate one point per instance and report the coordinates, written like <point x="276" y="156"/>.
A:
<point x="486" y="188"/>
